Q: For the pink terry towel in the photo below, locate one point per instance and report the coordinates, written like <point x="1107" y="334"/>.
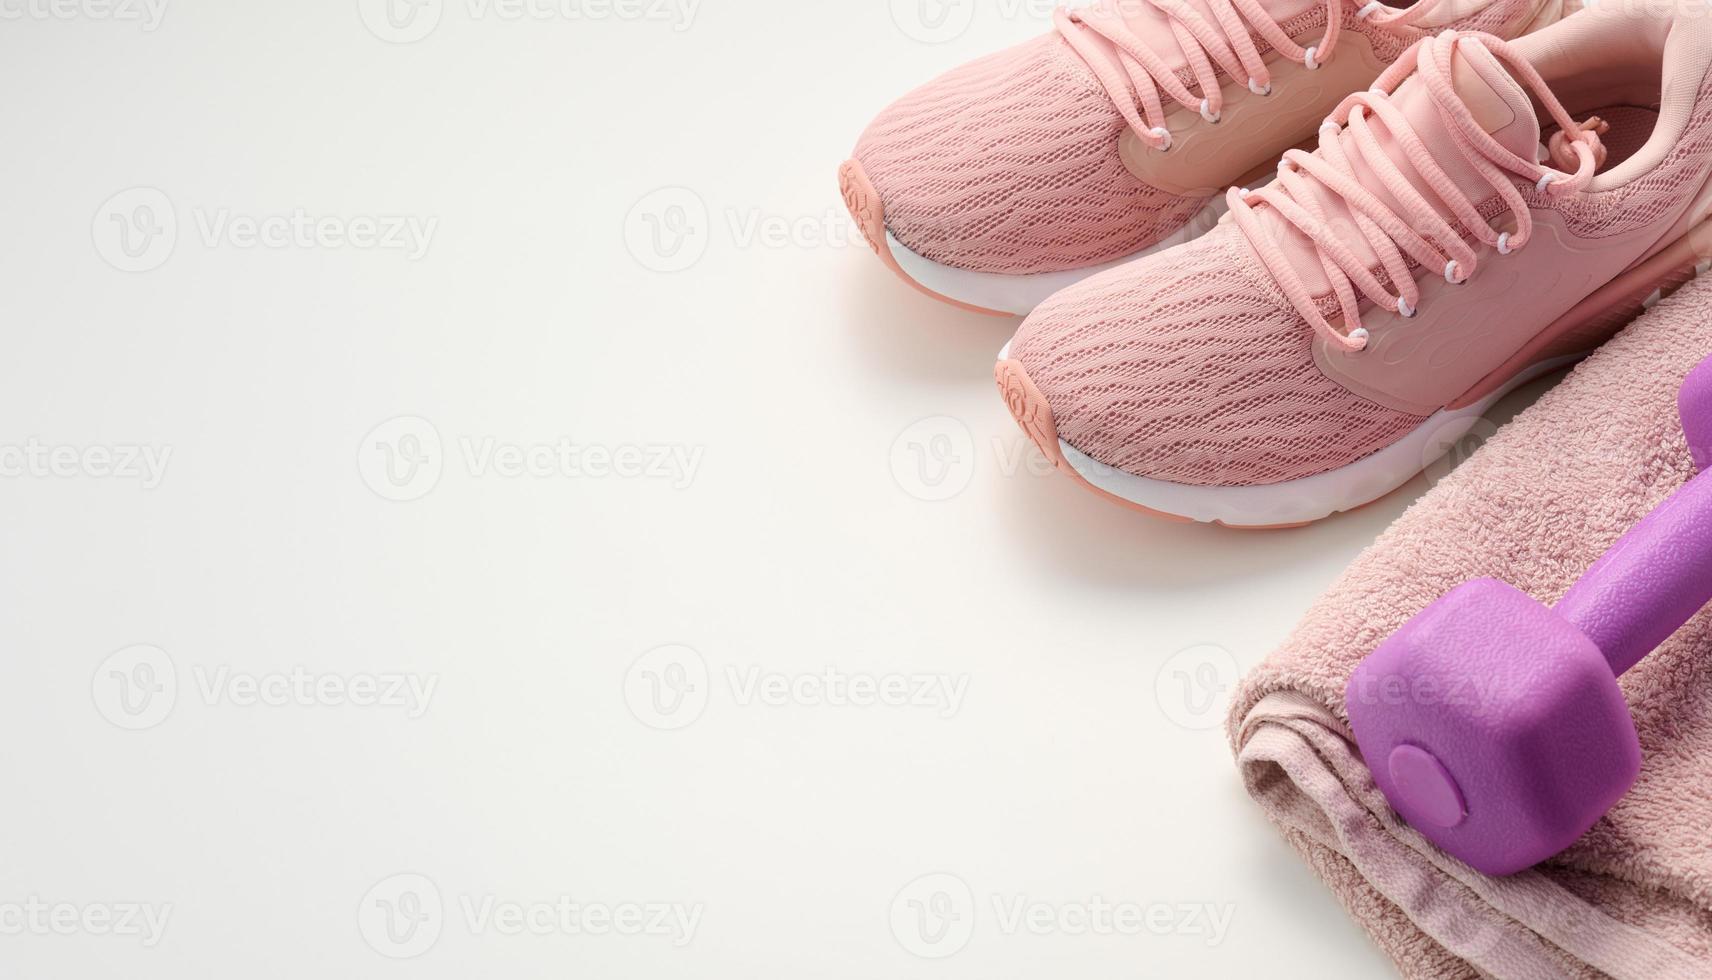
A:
<point x="1534" y="508"/>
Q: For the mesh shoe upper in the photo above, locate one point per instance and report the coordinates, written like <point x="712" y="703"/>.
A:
<point x="1189" y="367"/>
<point x="1640" y="203"/>
<point x="1009" y="164"/>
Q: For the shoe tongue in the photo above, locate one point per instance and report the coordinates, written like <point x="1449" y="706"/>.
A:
<point x="1498" y="103"/>
<point x="1493" y="98"/>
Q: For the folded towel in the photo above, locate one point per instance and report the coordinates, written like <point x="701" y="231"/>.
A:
<point x="1534" y="507"/>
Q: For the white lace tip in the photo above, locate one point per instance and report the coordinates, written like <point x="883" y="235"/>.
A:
<point x="1369" y="10"/>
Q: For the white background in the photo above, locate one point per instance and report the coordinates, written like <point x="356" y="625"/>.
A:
<point x="628" y="234"/>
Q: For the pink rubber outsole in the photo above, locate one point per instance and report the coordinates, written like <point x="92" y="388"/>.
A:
<point x="870" y="213"/>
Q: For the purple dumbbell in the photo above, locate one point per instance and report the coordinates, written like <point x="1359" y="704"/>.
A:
<point x="1494" y="724"/>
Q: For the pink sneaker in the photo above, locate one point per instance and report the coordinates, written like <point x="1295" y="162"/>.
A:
<point x="1350" y="322"/>
<point x="1019" y="174"/>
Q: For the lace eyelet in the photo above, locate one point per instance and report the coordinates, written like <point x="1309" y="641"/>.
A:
<point x="1161" y="133"/>
<point x="1255" y="87"/>
<point x="1360" y="335"/>
<point x="1368" y="11"/>
<point x="1208" y="114"/>
<point x="1308" y="60"/>
<point x="1450" y="274"/>
<point x="1504" y="244"/>
<point x="1408" y="312"/>
<point x="1545" y="183"/>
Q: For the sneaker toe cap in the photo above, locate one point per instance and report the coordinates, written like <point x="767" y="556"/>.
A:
<point x="1185" y="367"/>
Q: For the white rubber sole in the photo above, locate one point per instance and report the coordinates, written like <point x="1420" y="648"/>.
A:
<point x="1311" y="498"/>
<point x="1019" y="295"/>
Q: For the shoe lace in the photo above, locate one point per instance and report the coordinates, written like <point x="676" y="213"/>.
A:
<point x="1423" y="233"/>
<point x="1228" y="43"/>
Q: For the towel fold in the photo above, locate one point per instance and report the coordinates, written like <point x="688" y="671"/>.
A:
<point x="1535" y="507"/>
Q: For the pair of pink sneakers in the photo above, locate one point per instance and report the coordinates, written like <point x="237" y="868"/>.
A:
<point x="1497" y="189"/>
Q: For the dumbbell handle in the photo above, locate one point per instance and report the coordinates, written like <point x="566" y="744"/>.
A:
<point x="1651" y="582"/>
